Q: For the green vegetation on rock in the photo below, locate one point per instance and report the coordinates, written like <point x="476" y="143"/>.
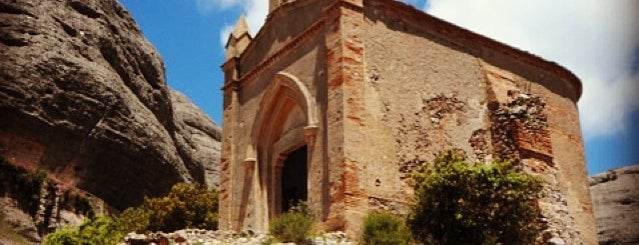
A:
<point x="462" y="203"/>
<point x="21" y="185"/>
<point x="185" y="206"/>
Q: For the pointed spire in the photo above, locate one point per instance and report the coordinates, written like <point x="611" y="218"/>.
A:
<point x="239" y="39"/>
<point x="241" y="28"/>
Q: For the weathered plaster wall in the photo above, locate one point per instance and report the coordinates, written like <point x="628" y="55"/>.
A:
<point x="430" y="96"/>
<point x="567" y="206"/>
<point x="430" y="90"/>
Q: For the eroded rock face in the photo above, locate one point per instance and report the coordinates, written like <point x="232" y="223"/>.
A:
<point x="615" y="195"/>
<point x="197" y="139"/>
<point x="83" y="96"/>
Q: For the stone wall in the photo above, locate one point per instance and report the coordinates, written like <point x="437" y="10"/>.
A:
<point x="432" y="87"/>
<point x="394" y="87"/>
<point x="295" y="49"/>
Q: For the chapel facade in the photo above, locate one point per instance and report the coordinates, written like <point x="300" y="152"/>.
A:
<point x="335" y="102"/>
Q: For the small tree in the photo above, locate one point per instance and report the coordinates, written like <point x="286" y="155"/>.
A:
<point x="462" y="203"/>
<point x="186" y="206"/>
<point x="384" y="228"/>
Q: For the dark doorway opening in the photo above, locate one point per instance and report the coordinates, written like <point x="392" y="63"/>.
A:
<point x="294" y="179"/>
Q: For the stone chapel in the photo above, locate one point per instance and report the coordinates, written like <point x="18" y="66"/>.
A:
<point x="335" y="102"/>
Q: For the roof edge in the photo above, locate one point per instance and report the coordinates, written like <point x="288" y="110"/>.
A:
<point x="458" y="32"/>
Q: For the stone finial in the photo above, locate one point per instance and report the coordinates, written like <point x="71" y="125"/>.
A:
<point x="239" y="39"/>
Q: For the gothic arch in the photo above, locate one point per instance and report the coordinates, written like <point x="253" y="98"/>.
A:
<point x="285" y="121"/>
<point x="291" y="87"/>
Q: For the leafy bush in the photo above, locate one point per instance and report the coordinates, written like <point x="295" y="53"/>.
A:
<point x="65" y="236"/>
<point x="462" y="203"/>
<point x="294" y="225"/>
<point x="186" y="206"/>
<point x="100" y="230"/>
<point x="381" y="228"/>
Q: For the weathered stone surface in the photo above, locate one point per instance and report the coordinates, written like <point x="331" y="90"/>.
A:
<point x="197" y="139"/>
<point x="20" y="222"/>
<point x="83" y="96"/>
<point x="54" y="208"/>
<point x="615" y="195"/>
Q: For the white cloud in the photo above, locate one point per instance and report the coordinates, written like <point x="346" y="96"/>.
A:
<point x="597" y="40"/>
<point x="254" y="10"/>
<point x="224" y="33"/>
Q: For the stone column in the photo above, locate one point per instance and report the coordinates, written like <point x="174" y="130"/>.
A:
<point x="227" y="212"/>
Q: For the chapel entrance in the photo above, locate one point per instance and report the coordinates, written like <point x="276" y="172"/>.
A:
<point x="294" y="183"/>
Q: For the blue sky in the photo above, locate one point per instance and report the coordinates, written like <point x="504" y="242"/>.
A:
<point x="597" y="40"/>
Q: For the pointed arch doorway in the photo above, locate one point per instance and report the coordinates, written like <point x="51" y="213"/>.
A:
<point x="283" y="147"/>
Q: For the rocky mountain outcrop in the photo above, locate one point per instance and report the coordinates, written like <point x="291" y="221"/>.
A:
<point x="31" y="205"/>
<point x="197" y="139"/>
<point x="83" y="97"/>
<point x="615" y="195"/>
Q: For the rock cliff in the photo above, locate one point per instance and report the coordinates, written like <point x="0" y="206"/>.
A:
<point x="615" y="195"/>
<point x="83" y="97"/>
<point x="197" y="139"/>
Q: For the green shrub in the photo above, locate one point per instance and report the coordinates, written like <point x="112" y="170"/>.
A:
<point x="135" y="220"/>
<point x="384" y="228"/>
<point x="294" y="225"/>
<point x="186" y="206"/>
<point x="462" y="203"/>
<point x="100" y="230"/>
<point x="65" y="236"/>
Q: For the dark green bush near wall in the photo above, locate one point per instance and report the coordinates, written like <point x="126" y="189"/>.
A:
<point x="462" y="203"/>
<point x="384" y="228"/>
<point x="294" y="225"/>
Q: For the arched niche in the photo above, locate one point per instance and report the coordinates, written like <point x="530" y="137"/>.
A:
<point x="285" y="122"/>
